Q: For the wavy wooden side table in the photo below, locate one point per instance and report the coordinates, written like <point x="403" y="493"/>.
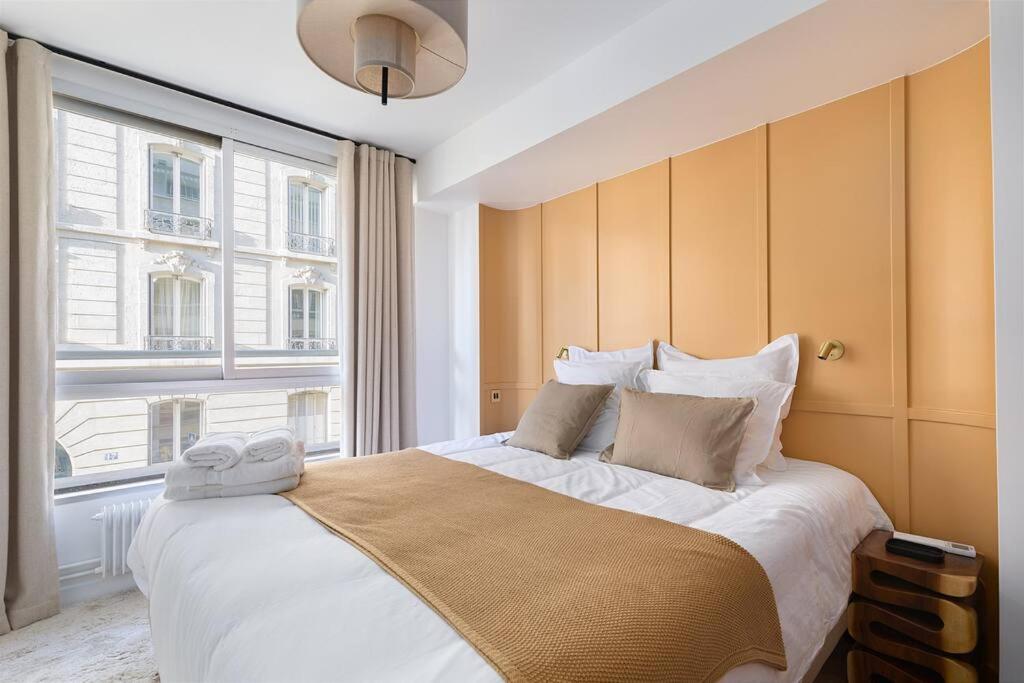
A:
<point x="914" y="622"/>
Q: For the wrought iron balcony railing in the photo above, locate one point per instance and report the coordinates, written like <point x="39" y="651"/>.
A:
<point x="165" y="223"/>
<point x="311" y="344"/>
<point x="173" y="343"/>
<point x="310" y="244"/>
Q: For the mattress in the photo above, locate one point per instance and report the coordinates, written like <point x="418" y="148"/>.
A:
<point x="252" y="588"/>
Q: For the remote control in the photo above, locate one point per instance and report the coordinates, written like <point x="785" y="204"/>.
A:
<point x="948" y="546"/>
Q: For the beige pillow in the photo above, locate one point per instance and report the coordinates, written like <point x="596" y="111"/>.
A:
<point x="560" y="417"/>
<point x="686" y="437"/>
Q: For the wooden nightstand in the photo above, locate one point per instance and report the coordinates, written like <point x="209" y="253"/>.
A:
<point x="912" y="620"/>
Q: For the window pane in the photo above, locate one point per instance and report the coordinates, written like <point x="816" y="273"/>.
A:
<point x="191" y="308"/>
<point x="105" y="435"/>
<point x="161" y="321"/>
<point x="315" y="197"/>
<point x="162" y="180"/>
<point x="314" y="314"/>
<point x="276" y="218"/>
<point x="161" y="434"/>
<point x="112" y="178"/>
<point x="191" y="424"/>
<point x="298" y="314"/>
<point x="190" y="187"/>
<point x="295" y="207"/>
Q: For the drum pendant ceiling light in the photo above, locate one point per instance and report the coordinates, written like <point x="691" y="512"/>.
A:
<point x="389" y="48"/>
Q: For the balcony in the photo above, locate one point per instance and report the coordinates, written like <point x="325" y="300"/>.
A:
<point x="171" y="343"/>
<point x="310" y="244"/>
<point x="177" y="225"/>
<point x="311" y="344"/>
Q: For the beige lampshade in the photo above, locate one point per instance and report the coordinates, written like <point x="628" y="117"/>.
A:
<point x="422" y="43"/>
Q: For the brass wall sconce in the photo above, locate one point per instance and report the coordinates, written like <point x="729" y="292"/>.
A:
<point x="833" y="349"/>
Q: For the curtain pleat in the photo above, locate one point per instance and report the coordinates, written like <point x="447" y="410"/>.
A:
<point x="375" y="206"/>
<point x="28" y="557"/>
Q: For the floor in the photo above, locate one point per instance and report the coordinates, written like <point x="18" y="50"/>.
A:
<point x="104" y="640"/>
<point x="108" y="640"/>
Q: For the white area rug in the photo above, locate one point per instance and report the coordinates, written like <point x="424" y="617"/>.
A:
<point x="104" y="640"/>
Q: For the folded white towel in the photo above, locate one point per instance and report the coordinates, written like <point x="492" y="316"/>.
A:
<point x="269" y="444"/>
<point x="220" y="491"/>
<point x="219" y="451"/>
<point x="246" y="478"/>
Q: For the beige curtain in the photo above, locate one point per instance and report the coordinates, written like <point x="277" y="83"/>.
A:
<point x="376" y="302"/>
<point x="28" y="558"/>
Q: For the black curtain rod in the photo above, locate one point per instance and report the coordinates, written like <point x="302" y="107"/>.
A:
<point x="187" y="91"/>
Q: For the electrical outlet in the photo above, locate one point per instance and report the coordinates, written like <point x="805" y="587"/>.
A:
<point x="495" y="396"/>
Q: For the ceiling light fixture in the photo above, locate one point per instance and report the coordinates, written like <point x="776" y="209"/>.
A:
<point x="389" y="48"/>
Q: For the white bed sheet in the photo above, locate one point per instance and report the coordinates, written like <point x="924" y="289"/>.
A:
<point x="253" y="589"/>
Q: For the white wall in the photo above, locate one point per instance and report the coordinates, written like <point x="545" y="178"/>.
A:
<point x="1007" y="57"/>
<point x="464" y="282"/>
<point x="78" y="543"/>
<point x="433" y="328"/>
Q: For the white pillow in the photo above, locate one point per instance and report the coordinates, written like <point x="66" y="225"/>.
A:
<point x="602" y="432"/>
<point x="641" y="354"/>
<point x="767" y="416"/>
<point x="777" y="362"/>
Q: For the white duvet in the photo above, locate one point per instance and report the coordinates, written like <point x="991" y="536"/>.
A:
<point x="253" y="589"/>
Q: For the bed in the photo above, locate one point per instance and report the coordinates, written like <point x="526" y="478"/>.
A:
<point x="253" y="588"/>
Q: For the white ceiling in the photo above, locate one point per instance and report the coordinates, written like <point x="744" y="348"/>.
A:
<point x="528" y="152"/>
<point x="247" y="52"/>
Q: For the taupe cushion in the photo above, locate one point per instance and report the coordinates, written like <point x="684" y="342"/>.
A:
<point x="686" y="437"/>
<point x="560" y="417"/>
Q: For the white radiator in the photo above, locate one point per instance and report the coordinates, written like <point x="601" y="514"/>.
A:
<point x="118" y="525"/>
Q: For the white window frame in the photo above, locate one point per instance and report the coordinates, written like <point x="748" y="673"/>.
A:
<point x="176" y="405"/>
<point x="177" y="154"/>
<point x="97" y="92"/>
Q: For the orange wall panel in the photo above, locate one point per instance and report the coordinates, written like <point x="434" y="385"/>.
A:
<point x="504" y="415"/>
<point x="718" y="233"/>
<point x="859" y="444"/>
<point x="953" y="495"/>
<point x="510" y="303"/>
<point x="949" y="236"/>
<point x="569" y="266"/>
<point x="633" y="258"/>
<point x="829" y="245"/>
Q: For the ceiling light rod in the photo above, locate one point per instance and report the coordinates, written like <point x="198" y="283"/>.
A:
<point x="384" y="86"/>
<point x="131" y="73"/>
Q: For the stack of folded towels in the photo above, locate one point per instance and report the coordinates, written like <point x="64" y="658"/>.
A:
<point x="237" y="464"/>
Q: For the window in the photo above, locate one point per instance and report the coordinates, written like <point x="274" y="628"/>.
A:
<point x="111" y="439"/>
<point x="306" y="313"/>
<point x="175" y="425"/>
<point x="307" y="415"/>
<point x="304" y="207"/>
<point x="175" y="184"/>
<point x="176" y="315"/>
<point x="172" y="242"/>
<point x="306" y="216"/>
<point x="283" y="308"/>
